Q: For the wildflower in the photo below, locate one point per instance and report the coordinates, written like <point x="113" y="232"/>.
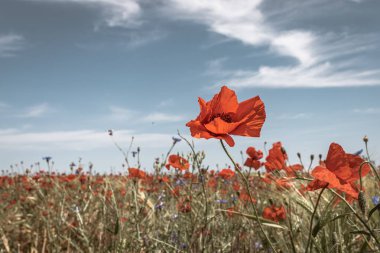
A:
<point x="177" y="162"/>
<point x="184" y="205"/>
<point x="223" y="116"/>
<point x="254" y="157"/>
<point x="136" y="173"/>
<point x="277" y="158"/>
<point x="231" y="211"/>
<point x="376" y="200"/>
<point x="159" y="206"/>
<point x="221" y="201"/>
<point x="226" y="174"/>
<point x="175" y="140"/>
<point x="274" y="213"/>
<point x="339" y="171"/>
<point x="244" y="197"/>
<point x="47" y="158"/>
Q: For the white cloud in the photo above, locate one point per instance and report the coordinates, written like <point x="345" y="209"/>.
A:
<point x="320" y="76"/>
<point x="36" y="111"/>
<point x="120" y="113"/>
<point x="10" y="44"/>
<point x="370" y="110"/>
<point x="162" y="117"/>
<point x="117" y="12"/>
<point x="314" y="52"/>
<point x="166" y="102"/>
<point x="318" y="55"/>
<point x="77" y="140"/>
<point x="138" y="39"/>
<point x="3" y="106"/>
<point x="289" y="116"/>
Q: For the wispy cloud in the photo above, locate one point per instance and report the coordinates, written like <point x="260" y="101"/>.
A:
<point x="294" y="116"/>
<point x="125" y="13"/>
<point x="162" y="117"/>
<point x="166" y="102"/>
<point x="120" y="113"/>
<point x="3" y="106"/>
<point x="137" y="39"/>
<point x="370" y="110"/>
<point x="10" y="44"/>
<point x="36" y="111"/>
<point x="318" y="55"/>
<point x="76" y="140"/>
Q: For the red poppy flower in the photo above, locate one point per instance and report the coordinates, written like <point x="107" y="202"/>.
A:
<point x="212" y="183"/>
<point x="274" y="213"/>
<point x="226" y="174"/>
<point x="244" y="197"/>
<point x="277" y="159"/>
<point x="223" y="116"/>
<point x="341" y="170"/>
<point x="253" y="159"/>
<point x="177" y="162"/>
<point x="136" y="173"/>
<point x="184" y="205"/>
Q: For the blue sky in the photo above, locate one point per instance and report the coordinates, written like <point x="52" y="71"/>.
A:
<point x="71" y="69"/>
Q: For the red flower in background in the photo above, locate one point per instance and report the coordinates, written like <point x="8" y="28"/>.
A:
<point x="253" y="159"/>
<point x="177" y="162"/>
<point x="136" y="173"/>
<point x="340" y="172"/>
<point x="277" y="160"/>
<point x="274" y="213"/>
<point x="226" y="174"/>
<point x="223" y="116"/>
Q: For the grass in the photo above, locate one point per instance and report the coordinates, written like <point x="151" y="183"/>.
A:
<point x="182" y="211"/>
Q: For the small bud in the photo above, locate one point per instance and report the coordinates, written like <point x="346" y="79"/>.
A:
<point x="311" y="157"/>
<point x="365" y="139"/>
<point x="362" y="202"/>
<point x="110" y="132"/>
<point x="299" y="155"/>
<point x="320" y="156"/>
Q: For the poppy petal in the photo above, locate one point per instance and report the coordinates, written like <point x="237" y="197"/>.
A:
<point x="251" y="115"/>
<point x="219" y="126"/>
<point x="224" y="102"/>
<point x="325" y="175"/>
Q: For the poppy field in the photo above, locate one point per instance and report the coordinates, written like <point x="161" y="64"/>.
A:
<point x="259" y="204"/>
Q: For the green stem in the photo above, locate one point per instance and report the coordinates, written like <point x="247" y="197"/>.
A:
<point x="357" y="216"/>
<point x="246" y="183"/>
<point x="312" y="218"/>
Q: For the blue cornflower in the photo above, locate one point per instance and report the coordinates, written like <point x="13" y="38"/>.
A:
<point x="376" y="200"/>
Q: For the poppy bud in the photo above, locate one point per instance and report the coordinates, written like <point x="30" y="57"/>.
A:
<point x="362" y="202"/>
<point x="320" y="156"/>
<point x="311" y="157"/>
<point x="365" y="139"/>
<point x="299" y="155"/>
